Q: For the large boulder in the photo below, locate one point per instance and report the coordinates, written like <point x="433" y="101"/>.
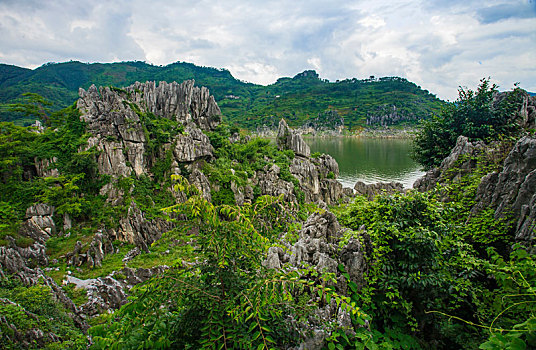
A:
<point x="292" y="140"/>
<point x="371" y="190"/>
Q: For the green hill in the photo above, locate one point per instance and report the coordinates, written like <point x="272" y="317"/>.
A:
<point x="362" y="103"/>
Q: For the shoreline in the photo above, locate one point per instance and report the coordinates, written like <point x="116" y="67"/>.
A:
<point x="366" y="133"/>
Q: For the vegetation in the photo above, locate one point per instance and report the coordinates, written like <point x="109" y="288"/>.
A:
<point x="437" y="275"/>
<point x="299" y="99"/>
<point x="226" y="299"/>
<point x="476" y="115"/>
<point x="25" y="309"/>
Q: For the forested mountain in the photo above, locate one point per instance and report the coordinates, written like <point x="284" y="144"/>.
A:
<point x="362" y="103"/>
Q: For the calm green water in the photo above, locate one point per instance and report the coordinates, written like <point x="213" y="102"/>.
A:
<point x="369" y="159"/>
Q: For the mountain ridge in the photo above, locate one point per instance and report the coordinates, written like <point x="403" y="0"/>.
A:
<point x="299" y="99"/>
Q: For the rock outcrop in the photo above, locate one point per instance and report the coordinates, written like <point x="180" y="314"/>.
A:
<point x="271" y="184"/>
<point x="509" y="191"/>
<point x="512" y="190"/>
<point x="114" y="119"/>
<point x="21" y="264"/>
<point x="137" y="229"/>
<point x="39" y="224"/>
<point x="109" y="293"/>
<point x="92" y="254"/>
<point x="371" y="190"/>
<point x="118" y="120"/>
<point x="462" y="157"/>
<point x="318" y="247"/>
<point x="316" y="176"/>
<point x="290" y="139"/>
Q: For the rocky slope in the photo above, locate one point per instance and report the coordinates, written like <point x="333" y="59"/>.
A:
<point x="130" y="131"/>
<point x="510" y="189"/>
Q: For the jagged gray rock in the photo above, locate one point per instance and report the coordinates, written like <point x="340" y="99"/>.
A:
<point x="318" y="246"/>
<point x="14" y="260"/>
<point x="137" y="229"/>
<point x="182" y="102"/>
<point x="113" y="119"/>
<point x="110" y="292"/>
<point x="512" y="190"/>
<point x="38" y="224"/>
<point x="199" y="180"/>
<point x="371" y="190"/>
<point x="46" y="167"/>
<point x="290" y="139"/>
<point x="508" y="191"/>
<point x="271" y="184"/>
<point x="104" y="293"/>
<point x="462" y="156"/>
<point x="93" y="256"/>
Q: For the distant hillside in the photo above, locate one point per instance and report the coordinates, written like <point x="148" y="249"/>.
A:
<point x="362" y="103"/>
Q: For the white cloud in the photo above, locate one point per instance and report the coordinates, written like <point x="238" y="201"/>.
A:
<point x="437" y="44"/>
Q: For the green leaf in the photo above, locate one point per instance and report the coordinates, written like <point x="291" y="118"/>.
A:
<point x="517" y="344"/>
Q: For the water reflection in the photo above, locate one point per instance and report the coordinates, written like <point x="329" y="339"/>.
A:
<point x="369" y="159"/>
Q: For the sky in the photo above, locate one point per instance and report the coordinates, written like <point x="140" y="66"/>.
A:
<point x="437" y="44"/>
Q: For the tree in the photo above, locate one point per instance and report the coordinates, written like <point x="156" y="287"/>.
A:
<point x="226" y="298"/>
<point x="484" y="114"/>
<point x="32" y="105"/>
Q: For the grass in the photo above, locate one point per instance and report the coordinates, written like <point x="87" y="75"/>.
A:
<point x="174" y="247"/>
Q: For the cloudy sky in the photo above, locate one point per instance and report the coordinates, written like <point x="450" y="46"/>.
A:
<point x="438" y="44"/>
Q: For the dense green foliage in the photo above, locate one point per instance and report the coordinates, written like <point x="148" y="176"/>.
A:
<point x="437" y="275"/>
<point x="432" y="284"/>
<point x="26" y="309"/>
<point x="476" y="115"/>
<point x="247" y="105"/>
<point x="226" y="299"/>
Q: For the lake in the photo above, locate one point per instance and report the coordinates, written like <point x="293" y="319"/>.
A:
<point x="369" y="159"/>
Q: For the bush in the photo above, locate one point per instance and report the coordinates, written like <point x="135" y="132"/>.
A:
<point x="478" y="115"/>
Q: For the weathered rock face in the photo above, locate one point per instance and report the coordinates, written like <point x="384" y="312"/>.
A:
<point x="39" y="224"/>
<point x="199" y="180"/>
<point x="526" y="115"/>
<point x="509" y="190"/>
<point x="46" y="167"/>
<point x="104" y="293"/>
<point x="512" y="190"/>
<point x="192" y="145"/>
<point x="371" y="190"/>
<point x="527" y="112"/>
<point x="113" y="118"/>
<point x="290" y="139"/>
<point x="317" y="246"/>
<point x="181" y="102"/>
<point x="137" y="229"/>
<point x="110" y="292"/>
<point x="14" y="261"/>
<point x="93" y="255"/>
<point x="271" y="184"/>
<point x="462" y="155"/>
<point x="316" y="176"/>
